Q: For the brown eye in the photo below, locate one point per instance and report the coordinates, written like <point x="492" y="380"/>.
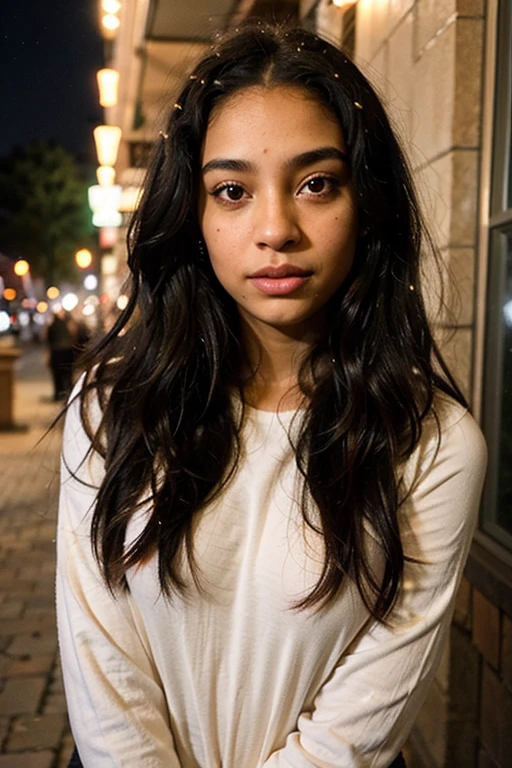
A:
<point x="316" y="185"/>
<point x="229" y="192"/>
<point x="234" y="192"/>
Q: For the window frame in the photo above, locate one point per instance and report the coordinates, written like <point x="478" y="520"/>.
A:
<point x="495" y="217"/>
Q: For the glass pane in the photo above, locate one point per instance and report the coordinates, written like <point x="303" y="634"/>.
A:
<point x="501" y="190"/>
<point x="508" y="103"/>
<point x="498" y="389"/>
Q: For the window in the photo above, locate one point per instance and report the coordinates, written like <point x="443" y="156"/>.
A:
<point x="497" y="410"/>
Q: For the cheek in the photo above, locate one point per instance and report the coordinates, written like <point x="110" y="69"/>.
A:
<point x="224" y="243"/>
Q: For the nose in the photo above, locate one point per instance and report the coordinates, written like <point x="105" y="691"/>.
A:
<point x="276" y="225"/>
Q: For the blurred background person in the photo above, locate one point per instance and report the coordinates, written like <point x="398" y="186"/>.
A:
<point x="60" y="340"/>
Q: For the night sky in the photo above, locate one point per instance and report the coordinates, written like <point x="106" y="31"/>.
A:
<point x="50" y="51"/>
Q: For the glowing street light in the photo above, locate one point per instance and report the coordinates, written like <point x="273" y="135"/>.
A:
<point x="110" y="22"/>
<point x="110" y="25"/>
<point x="21" y="268"/>
<point x="107" y="138"/>
<point x="104" y="203"/>
<point x="108" y="82"/>
<point x="83" y="258"/>
<point x="106" y="175"/>
<point x="111" y="6"/>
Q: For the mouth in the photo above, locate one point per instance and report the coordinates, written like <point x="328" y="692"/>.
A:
<point x="280" y="281"/>
<point x="277" y="273"/>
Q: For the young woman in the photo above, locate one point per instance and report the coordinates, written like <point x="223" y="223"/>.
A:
<point x="269" y="480"/>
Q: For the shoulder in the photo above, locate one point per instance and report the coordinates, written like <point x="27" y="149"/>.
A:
<point x="82" y="421"/>
<point x="451" y="443"/>
<point x="460" y="437"/>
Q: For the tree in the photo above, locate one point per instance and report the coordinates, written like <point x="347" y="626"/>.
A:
<point x="44" y="215"/>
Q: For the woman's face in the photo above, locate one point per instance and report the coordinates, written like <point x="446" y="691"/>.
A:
<point x="277" y="206"/>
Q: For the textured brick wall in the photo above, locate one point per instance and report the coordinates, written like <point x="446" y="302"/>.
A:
<point x="491" y="633"/>
<point x="426" y="59"/>
<point x="484" y="691"/>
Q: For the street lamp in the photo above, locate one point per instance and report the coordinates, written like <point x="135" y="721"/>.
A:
<point x="106" y="175"/>
<point x="111" y="6"/>
<point x="110" y="24"/>
<point x="104" y="203"/>
<point x="107" y="138"/>
<point x="108" y="81"/>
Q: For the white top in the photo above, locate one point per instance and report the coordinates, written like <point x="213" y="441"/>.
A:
<point x="230" y="676"/>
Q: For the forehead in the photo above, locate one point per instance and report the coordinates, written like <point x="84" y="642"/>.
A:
<point x="276" y="118"/>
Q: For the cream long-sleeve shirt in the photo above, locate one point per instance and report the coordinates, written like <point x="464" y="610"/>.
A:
<point x="231" y="676"/>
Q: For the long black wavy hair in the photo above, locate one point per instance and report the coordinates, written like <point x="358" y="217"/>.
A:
<point x="165" y="373"/>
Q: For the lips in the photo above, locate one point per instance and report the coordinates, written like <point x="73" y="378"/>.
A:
<point x="277" y="273"/>
<point x="280" y="281"/>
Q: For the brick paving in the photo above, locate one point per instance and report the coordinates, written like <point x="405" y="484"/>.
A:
<point x="34" y="731"/>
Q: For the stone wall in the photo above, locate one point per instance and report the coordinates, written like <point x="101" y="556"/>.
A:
<point x="425" y="58"/>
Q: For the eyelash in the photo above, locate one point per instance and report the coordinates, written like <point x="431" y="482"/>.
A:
<point x="333" y="184"/>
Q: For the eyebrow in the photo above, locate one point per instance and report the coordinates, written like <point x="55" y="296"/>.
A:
<point x="296" y="163"/>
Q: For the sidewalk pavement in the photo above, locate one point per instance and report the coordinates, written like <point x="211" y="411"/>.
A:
<point x="34" y="731"/>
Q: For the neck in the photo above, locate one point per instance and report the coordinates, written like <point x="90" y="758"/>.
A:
<point x="274" y="359"/>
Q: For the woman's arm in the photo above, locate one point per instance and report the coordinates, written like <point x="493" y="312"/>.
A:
<point x="363" y="713"/>
<point x="116" y="705"/>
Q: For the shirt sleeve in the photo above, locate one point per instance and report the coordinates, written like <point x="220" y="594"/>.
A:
<point x="364" y="712"/>
<point x="116" y="705"/>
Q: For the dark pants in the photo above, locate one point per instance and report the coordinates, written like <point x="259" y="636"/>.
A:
<point x="75" y="762"/>
<point x="61" y="364"/>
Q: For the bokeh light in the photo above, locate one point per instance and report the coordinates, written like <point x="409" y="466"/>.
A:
<point x="83" y="258"/>
<point x="21" y="268"/>
<point x="53" y="292"/>
<point x="122" y="302"/>
<point x="507" y="312"/>
<point x="69" y="301"/>
<point x="5" y="321"/>
<point x="91" y="282"/>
